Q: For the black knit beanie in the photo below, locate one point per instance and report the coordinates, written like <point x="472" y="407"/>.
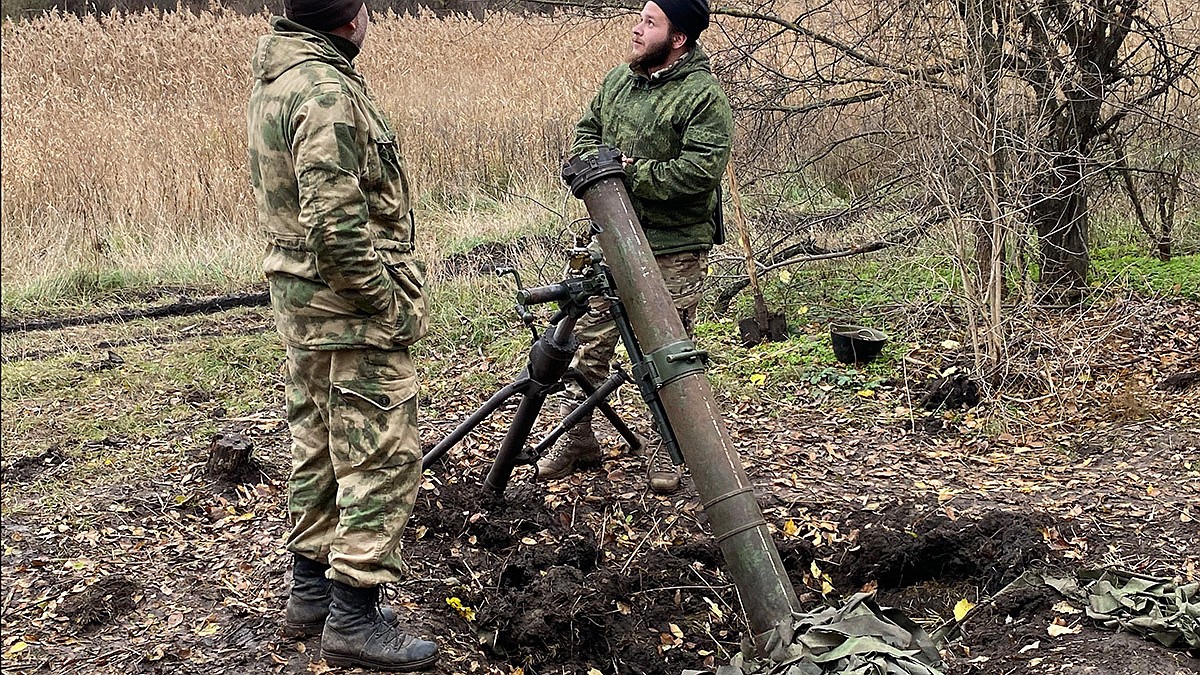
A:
<point x="322" y="15"/>
<point x="689" y="17"/>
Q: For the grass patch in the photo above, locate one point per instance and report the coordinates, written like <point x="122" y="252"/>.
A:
<point x="153" y="413"/>
<point x="799" y="369"/>
<point x="1126" y="267"/>
<point x="84" y="290"/>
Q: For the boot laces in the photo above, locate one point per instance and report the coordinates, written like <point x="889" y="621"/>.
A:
<point x="660" y="459"/>
<point x="387" y="593"/>
<point x="393" y="636"/>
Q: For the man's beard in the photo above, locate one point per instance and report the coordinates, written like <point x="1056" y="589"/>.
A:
<point x="655" y="56"/>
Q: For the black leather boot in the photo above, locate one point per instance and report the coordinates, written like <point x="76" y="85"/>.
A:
<point x="357" y="634"/>
<point x="308" y="604"/>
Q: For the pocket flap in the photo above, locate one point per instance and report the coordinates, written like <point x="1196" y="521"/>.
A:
<point x="382" y="394"/>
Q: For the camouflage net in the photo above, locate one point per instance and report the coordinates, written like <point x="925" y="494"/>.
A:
<point x="858" y="638"/>
<point x="1157" y="609"/>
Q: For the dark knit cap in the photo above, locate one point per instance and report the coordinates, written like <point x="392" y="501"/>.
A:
<point x="323" y="15"/>
<point x="689" y="17"/>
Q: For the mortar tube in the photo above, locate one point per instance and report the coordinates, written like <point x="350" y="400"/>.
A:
<point x="725" y="491"/>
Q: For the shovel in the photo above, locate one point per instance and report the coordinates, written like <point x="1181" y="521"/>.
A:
<point x="764" y="326"/>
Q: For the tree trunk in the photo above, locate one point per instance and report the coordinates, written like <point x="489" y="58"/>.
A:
<point x="229" y="456"/>
<point x="1061" y="221"/>
<point x="1164" y="248"/>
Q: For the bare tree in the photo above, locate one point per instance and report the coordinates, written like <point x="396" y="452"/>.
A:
<point x="1044" y="83"/>
<point x="1007" y="114"/>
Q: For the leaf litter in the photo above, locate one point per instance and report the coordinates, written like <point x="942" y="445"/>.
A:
<point x="173" y="572"/>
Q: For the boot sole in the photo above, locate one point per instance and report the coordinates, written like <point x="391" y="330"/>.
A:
<point x="346" y="661"/>
<point x="302" y="630"/>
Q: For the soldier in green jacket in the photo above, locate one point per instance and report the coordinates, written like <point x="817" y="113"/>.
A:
<point x="347" y="296"/>
<point x="667" y="114"/>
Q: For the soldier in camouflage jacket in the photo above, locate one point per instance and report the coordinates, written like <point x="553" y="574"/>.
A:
<point x="333" y="202"/>
<point x="667" y="114"/>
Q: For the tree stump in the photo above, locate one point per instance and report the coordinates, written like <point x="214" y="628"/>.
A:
<point x="229" y="456"/>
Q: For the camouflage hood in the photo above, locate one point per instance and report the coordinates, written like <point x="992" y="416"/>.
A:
<point x="291" y="45"/>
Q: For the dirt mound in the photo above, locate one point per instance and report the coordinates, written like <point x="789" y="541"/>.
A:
<point x="958" y="390"/>
<point x="560" y="606"/>
<point x="466" y="509"/>
<point x="26" y="469"/>
<point x="566" y="606"/>
<point x="900" y="548"/>
<point x="1020" y="628"/>
<point x="102" y="602"/>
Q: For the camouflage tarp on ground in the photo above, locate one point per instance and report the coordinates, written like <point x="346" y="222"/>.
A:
<point x="1157" y="609"/>
<point x="858" y="638"/>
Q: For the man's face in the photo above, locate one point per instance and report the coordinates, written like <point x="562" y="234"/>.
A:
<point x="360" y="27"/>
<point x="651" y="42"/>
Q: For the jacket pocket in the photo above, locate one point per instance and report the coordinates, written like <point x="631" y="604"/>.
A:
<point x="411" y="321"/>
<point x="373" y="423"/>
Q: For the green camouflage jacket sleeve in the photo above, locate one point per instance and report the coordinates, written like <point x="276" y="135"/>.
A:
<point x="588" y="131"/>
<point x="333" y="207"/>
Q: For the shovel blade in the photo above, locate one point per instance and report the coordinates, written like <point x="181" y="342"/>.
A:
<point x="753" y="333"/>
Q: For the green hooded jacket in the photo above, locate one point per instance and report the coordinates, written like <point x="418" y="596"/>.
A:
<point x="332" y="198"/>
<point x="677" y="126"/>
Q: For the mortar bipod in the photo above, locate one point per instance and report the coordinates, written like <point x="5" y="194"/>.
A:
<point x="548" y="364"/>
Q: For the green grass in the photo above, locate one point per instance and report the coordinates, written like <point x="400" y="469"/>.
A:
<point x="147" y="394"/>
<point x="827" y="291"/>
<point x="1126" y="267"/>
<point x="84" y="290"/>
<point x="801" y="368"/>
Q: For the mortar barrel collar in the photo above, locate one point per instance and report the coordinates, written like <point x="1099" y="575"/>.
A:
<point x="581" y="172"/>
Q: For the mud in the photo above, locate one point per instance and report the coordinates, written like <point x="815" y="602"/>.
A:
<point x="1009" y="635"/>
<point x="951" y="392"/>
<point x="558" y="607"/>
<point x="547" y="595"/>
<point x="26" y="469"/>
<point x="562" y="606"/>
<point x="1180" y="381"/>
<point x="990" y="552"/>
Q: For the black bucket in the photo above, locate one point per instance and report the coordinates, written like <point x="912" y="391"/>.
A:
<point x="856" y="344"/>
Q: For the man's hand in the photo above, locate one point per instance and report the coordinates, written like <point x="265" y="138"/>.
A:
<point x="626" y="160"/>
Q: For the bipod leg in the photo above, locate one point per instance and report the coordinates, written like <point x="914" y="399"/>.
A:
<point x="514" y="440"/>
<point x="460" y="432"/>
<point x="631" y="439"/>
<point x="596" y="399"/>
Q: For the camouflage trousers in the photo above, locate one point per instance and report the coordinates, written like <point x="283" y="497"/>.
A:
<point x="597" y="333"/>
<point x="356" y="459"/>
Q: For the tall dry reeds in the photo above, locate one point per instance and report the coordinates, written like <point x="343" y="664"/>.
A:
<point x="124" y="136"/>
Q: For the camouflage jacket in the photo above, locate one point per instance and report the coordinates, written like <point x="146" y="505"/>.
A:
<point x="677" y="126"/>
<point x="332" y="198"/>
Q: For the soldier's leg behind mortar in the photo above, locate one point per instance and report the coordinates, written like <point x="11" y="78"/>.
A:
<point x="684" y="274"/>
<point x="597" y="335"/>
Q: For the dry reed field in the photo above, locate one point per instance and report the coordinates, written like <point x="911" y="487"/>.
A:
<point x="124" y="136"/>
<point x="123" y="150"/>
